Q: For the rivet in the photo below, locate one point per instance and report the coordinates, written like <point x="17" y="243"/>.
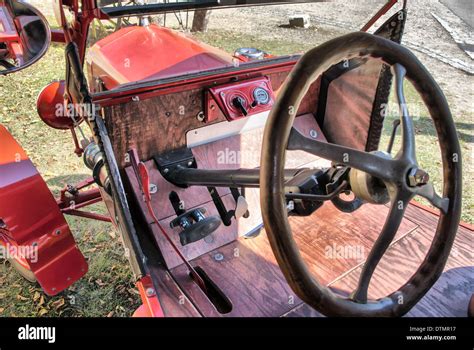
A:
<point x="57" y="232"/>
<point x="150" y="292"/>
<point x="218" y="257"/>
<point x="153" y="188"/>
<point x="135" y="98"/>
<point x="313" y="133"/>
<point x="166" y="170"/>
<point x="201" y="116"/>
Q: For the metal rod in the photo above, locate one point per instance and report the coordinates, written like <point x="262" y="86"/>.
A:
<point x="221" y="178"/>
<point x="379" y="14"/>
<point x="87" y="215"/>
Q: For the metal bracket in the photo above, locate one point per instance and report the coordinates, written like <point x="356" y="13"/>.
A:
<point x="168" y="162"/>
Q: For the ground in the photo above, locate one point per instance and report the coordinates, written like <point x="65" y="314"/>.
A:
<point x="108" y="288"/>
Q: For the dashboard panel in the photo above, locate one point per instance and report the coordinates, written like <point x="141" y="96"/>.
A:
<point x="240" y="100"/>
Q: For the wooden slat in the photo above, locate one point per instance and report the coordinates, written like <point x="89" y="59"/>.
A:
<point x="172" y="299"/>
<point x="251" y="280"/>
<point x="254" y="275"/>
<point x="332" y="242"/>
<point x="449" y="296"/>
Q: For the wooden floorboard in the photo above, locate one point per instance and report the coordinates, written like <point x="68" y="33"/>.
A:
<point x="173" y="301"/>
<point x="450" y="295"/>
<point x="249" y="275"/>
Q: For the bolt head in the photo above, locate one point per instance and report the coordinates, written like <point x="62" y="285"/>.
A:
<point x="418" y="177"/>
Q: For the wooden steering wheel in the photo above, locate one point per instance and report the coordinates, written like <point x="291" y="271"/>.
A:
<point x="395" y="173"/>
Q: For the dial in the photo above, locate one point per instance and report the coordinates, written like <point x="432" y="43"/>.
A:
<point x="261" y="96"/>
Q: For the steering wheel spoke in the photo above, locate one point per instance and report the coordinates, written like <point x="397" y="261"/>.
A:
<point x="408" y="150"/>
<point x="428" y="192"/>
<point x="399" y="204"/>
<point x="373" y="164"/>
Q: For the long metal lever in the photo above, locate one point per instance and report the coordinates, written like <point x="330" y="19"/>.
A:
<point x="143" y="179"/>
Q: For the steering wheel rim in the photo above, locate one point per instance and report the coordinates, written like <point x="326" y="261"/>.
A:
<point x="276" y="142"/>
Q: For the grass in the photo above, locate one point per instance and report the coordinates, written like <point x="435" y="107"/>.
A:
<point x="108" y="289"/>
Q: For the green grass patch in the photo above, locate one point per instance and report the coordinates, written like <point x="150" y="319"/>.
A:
<point x="108" y="287"/>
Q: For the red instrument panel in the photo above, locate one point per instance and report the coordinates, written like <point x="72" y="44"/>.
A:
<point x="240" y="99"/>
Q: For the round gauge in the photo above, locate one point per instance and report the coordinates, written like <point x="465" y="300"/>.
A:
<point x="261" y="96"/>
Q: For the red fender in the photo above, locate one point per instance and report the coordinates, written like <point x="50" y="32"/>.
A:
<point x="31" y="219"/>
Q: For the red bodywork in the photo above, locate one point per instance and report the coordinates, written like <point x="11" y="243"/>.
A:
<point x="143" y="53"/>
<point x="9" y="36"/>
<point x="33" y="219"/>
<point x="50" y="101"/>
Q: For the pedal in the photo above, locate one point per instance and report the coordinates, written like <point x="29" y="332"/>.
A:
<point x="241" y="208"/>
<point x="195" y="225"/>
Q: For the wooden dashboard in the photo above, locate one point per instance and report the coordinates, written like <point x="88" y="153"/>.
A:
<point x="157" y="122"/>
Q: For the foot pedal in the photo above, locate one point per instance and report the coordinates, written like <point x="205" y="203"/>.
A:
<point x="195" y="225"/>
<point x="241" y="208"/>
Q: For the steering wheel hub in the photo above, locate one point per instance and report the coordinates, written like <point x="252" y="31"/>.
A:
<point x="368" y="188"/>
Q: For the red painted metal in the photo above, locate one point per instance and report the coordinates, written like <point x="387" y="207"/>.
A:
<point x="88" y="215"/>
<point x="137" y="53"/>
<point x="33" y="219"/>
<point x="224" y="96"/>
<point x="122" y="96"/>
<point x="53" y="108"/>
<point x="7" y="241"/>
<point x="72" y="198"/>
<point x="379" y="14"/>
<point x="9" y="35"/>
<point x="57" y="36"/>
<point x="56" y="111"/>
<point x="151" y="305"/>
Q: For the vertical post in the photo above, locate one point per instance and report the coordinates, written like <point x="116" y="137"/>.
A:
<point x="201" y="20"/>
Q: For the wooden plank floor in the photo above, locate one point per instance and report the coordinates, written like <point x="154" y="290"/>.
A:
<point x="250" y="277"/>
